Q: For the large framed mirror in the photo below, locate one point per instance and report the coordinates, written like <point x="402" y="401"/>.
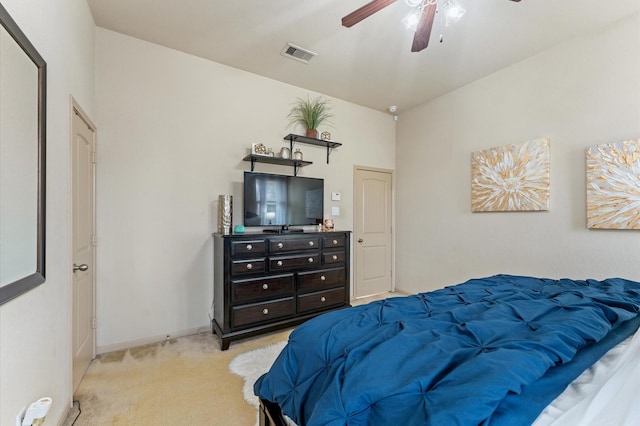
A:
<point x="22" y="162"/>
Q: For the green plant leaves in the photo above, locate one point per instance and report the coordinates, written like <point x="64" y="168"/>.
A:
<point x="310" y="112"/>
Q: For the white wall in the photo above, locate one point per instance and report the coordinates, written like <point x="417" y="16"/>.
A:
<point x="581" y="93"/>
<point x="172" y="132"/>
<point x="35" y="328"/>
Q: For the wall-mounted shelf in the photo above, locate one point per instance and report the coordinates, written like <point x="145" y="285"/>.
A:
<point x="253" y="158"/>
<point x="276" y="160"/>
<point x="311" y="141"/>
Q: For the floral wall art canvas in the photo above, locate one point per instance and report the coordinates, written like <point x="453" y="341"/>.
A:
<point x="511" y="178"/>
<point x="613" y="185"/>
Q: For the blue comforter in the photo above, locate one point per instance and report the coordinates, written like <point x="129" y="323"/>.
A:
<point x="457" y="356"/>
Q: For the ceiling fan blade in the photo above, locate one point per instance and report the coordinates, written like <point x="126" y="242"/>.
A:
<point x="365" y="11"/>
<point x="423" y="32"/>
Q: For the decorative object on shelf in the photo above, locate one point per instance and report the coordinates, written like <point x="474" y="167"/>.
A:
<point x="258" y="149"/>
<point x="286" y="160"/>
<point x="285" y="153"/>
<point x="613" y="177"/>
<point x="270" y="152"/>
<point x="225" y="209"/>
<point x="328" y="224"/>
<point x="325" y="136"/>
<point x="310" y="113"/>
<point x="511" y="178"/>
<point x="297" y="154"/>
<point x="312" y="141"/>
<point x="238" y="229"/>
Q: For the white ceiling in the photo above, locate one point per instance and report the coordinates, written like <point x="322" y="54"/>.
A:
<point x="371" y="63"/>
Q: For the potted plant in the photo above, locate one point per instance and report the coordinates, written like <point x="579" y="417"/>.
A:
<point x="310" y="113"/>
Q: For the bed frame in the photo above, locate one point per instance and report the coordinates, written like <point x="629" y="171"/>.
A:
<point x="270" y="414"/>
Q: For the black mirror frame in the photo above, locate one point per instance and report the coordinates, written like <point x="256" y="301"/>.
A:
<point x="25" y="284"/>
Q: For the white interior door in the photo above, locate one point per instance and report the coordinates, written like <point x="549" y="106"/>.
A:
<point x="83" y="211"/>
<point x="373" y="240"/>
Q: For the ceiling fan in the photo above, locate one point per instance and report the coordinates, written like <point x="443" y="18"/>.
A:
<point x="425" y="23"/>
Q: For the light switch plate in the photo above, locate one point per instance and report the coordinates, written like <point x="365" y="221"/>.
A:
<point x="335" y="196"/>
<point x="335" y="211"/>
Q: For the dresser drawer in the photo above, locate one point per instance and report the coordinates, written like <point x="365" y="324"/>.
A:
<point x="320" y="300"/>
<point x="254" y="290"/>
<point x="292" y="263"/>
<point x="248" y="248"/>
<point x="249" y="266"/>
<point x="333" y="241"/>
<point x="328" y="278"/>
<point x="242" y="316"/>
<point x="281" y="245"/>
<point x="333" y="257"/>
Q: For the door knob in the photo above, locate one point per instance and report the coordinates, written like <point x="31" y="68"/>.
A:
<point x="360" y="240"/>
<point x="82" y="267"/>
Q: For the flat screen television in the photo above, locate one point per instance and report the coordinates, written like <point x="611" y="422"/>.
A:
<point x="279" y="200"/>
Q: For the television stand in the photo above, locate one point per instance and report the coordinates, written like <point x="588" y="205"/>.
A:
<point x="268" y="282"/>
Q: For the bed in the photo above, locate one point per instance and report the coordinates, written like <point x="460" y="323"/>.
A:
<point x="492" y="351"/>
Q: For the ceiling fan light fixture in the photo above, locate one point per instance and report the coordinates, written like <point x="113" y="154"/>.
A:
<point x="420" y="20"/>
<point x="411" y="20"/>
<point x="452" y="11"/>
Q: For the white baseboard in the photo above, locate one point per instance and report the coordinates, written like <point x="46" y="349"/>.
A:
<point x="148" y="340"/>
<point x="65" y="413"/>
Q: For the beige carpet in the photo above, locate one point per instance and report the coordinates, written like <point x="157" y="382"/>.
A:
<point x="184" y="381"/>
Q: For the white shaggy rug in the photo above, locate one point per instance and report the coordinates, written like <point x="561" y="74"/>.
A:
<point x="253" y="364"/>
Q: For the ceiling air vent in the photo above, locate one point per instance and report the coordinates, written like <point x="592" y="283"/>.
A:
<point x="298" y="53"/>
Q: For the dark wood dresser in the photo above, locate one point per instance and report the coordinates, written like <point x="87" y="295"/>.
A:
<point x="265" y="282"/>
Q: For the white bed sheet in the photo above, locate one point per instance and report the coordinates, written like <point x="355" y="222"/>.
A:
<point x="605" y="394"/>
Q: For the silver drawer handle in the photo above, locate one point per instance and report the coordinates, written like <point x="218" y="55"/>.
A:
<point x="265" y="311"/>
<point x="279" y="263"/>
<point x="280" y="245"/>
<point x="322" y="278"/>
<point x="265" y="286"/>
<point x="335" y="257"/>
<point x="249" y="266"/>
<point x="249" y="247"/>
<point x="310" y="260"/>
<point x="310" y="243"/>
<point x="335" y="242"/>
<point x="323" y="299"/>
